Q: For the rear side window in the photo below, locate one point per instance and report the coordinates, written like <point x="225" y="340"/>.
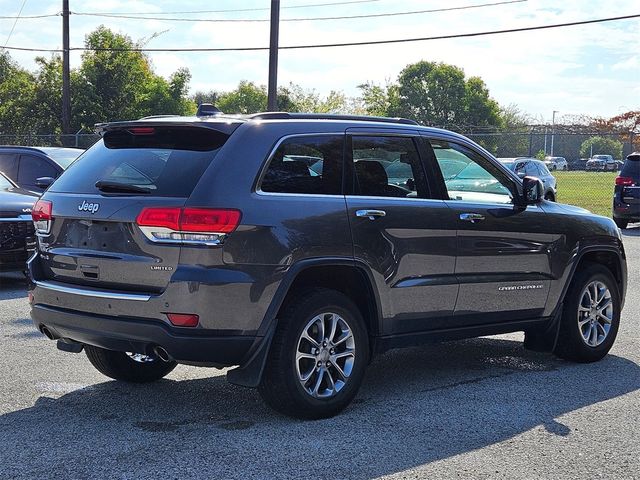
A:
<point x="32" y="168"/>
<point x="631" y="167"/>
<point x="306" y="164"/>
<point x="8" y="164"/>
<point x="165" y="161"/>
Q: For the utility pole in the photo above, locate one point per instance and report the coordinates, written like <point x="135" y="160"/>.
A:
<point x="66" y="95"/>
<point x="272" y="99"/>
<point x="553" y="126"/>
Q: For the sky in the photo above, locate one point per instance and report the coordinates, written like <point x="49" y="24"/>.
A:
<point x="581" y="70"/>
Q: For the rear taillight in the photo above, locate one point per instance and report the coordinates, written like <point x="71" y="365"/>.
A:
<point x="206" y="226"/>
<point x="624" y="181"/>
<point x="41" y="215"/>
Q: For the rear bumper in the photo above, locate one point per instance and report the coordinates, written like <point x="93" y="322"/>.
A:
<point x="190" y="346"/>
<point x="627" y="211"/>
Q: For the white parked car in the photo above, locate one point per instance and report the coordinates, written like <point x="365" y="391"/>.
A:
<point x="556" y="163"/>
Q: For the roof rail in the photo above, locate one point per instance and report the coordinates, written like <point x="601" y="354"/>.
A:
<point x="327" y="116"/>
<point x="149" y="117"/>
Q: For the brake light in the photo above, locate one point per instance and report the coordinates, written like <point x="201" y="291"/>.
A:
<point x="183" y="319"/>
<point x="160" y="217"/>
<point x="624" y="181"/>
<point x="41" y="216"/>
<point x="142" y="130"/>
<point x="209" y="220"/>
<point x="206" y="226"/>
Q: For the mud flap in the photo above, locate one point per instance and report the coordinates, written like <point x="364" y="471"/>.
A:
<point x="250" y="373"/>
<point x="545" y="339"/>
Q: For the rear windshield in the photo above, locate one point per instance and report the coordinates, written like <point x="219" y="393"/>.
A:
<point x="164" y="161"/>
<point x="631" y="167"/>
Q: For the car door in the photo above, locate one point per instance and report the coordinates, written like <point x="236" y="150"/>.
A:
<point x="32" y="167"/>
<point x="504" y="251"/>
<point x="404" y="235"/>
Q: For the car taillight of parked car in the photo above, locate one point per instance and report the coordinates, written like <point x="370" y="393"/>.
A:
<point x="41" y="216"/>
<point x="206" y="226"/>
<point x="625" y="181"/>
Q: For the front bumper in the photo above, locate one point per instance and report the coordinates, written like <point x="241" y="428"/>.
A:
<point x="138" y="335"/>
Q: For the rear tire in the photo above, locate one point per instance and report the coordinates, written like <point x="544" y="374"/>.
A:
<point x="621" y="223"/>
<point x="310" y="373"/>
<point x="590" y="317"/>
<point x="122" y="366"/>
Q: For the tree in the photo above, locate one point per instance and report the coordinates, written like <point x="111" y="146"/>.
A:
<point x="116" y="82"/>
<point x="379" y="101"/>
<point x="17" y="97"/>
<point x="601" y="146"/>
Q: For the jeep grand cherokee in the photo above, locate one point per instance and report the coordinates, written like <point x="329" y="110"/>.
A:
<point x="211" y="241"/>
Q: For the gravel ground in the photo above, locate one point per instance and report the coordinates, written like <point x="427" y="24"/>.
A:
<point x="481" y="408"/>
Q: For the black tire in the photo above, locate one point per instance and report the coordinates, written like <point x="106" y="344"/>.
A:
<point x="621" y="222"/>
<point x="571" y="345"/>
<point x="550" y="197"/>
<point x="120" y="366"/>
<point x="280" y="387"/>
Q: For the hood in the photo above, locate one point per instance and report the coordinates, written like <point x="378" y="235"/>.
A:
<point x="16" y="201"/>
<point x="572" y="209"/>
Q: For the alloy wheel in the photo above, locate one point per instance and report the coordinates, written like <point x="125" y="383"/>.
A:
<point x="595" y="313"/>
<point x="325" y="355"/>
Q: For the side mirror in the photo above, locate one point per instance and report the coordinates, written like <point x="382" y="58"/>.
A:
<point x="44" y="182"/>
<point x="532" y="190"/>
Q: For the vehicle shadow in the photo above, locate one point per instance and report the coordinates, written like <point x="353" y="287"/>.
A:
<point x="417" y="406"/>
<point x="12" y="285"/>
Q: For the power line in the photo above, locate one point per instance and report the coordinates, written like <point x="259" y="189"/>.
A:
<point x="14" y="23"/>
<point x="349" y="44"/>
<point x="193" y="12"/>
<point x="29" y="17"/>
<point x="301" y="19"/>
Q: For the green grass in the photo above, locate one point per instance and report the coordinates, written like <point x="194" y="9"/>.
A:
<point x="590" y="190"/>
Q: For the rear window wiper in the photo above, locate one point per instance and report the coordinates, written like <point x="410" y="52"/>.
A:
<point x="118" y="187"/>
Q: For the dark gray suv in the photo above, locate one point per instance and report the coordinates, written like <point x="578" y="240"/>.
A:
<point x="278" y="243"/>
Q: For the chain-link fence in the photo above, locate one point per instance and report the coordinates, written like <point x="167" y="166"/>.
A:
<point x="588" y="187"/>
<point x="80" y="140"/>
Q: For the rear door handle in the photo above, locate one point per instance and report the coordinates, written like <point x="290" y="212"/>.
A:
<point x="471" y="217"/>
<point x="370" y="214"/>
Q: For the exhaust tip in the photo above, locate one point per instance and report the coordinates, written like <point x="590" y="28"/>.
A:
<point x="162" y="354"/>
<point x="46" y="332"/>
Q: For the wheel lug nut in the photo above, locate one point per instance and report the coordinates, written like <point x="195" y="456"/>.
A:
<point x="326" y="364"/>
<point x="319" y="364"/>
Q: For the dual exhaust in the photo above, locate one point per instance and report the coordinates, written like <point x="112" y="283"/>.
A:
<point x="76" y="347"/>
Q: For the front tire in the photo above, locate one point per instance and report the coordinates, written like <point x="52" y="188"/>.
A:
<point x="318" y="356"/>
<point x="128" y="367"/>
<point x="591" y="315"/>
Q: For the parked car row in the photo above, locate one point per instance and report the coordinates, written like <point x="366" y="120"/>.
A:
<point x="25" y="172"/>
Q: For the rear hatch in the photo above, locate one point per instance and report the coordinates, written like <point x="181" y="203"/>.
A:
<point x="629" y="180"/>
<point x="94" y="238"/>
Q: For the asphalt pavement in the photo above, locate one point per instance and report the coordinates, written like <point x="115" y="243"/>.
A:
<point x="481" y="408"/>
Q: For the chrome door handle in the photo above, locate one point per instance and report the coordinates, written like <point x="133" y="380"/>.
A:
<point x="370" y="214"/>
<point x="471" y="217"/>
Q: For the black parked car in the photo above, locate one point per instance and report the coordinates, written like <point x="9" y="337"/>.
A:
<point x="35" y="168"/>
<point x="16" y="227"/>
<point x="626" y="194"/>
<point x="524" y="166"/>
<point x="206" y="241"/>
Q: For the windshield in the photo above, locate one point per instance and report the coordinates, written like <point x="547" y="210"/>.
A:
<point x="63" y="156"/>
<point x="167" y="162"/>
<point x="4" y="183"/>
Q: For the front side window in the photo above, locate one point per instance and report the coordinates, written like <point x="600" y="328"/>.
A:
<point x="306" y="165"/>
<point x="32" y="168"/>
<point x="469" y="177"/>
<point x="387" y="166"/>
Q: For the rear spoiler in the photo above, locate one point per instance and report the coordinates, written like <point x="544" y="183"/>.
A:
<point x="225" y="125"/>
